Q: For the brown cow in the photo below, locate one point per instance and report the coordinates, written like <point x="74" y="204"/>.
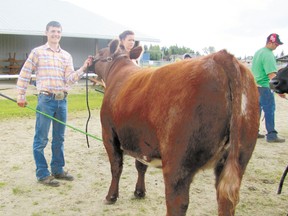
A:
<point x="183" y="117"/>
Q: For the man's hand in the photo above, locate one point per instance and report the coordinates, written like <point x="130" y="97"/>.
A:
<point x="21" y="102"/>
<point x="272" y="75"/>
<point x="87" y="63"/>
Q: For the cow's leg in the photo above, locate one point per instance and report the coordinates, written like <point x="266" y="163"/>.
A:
<point x="115" y="155"/>
<point x="140" y="185"/>
<point x="177" y="183"/>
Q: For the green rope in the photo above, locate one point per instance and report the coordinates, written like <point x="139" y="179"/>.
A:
<point x="51" y="117"/>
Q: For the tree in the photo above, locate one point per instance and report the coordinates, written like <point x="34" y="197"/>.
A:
<point x="159" y="53"/>
<point x="155" y="53"/>
<point x="208" y="50"/>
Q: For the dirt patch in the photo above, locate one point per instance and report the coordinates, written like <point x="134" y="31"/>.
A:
<point x="22" y="195"/>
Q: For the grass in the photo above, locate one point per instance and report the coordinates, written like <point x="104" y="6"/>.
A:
<point x="76" y="102"/>
<point x="19" y="191"/>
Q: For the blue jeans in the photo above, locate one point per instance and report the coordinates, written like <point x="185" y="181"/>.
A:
<point x="267" y="104"/>
<point x="57" y="109"/>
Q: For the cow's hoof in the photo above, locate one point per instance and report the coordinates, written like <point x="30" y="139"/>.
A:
<point x="110" y="200"/>
<point x="139" y="194"/>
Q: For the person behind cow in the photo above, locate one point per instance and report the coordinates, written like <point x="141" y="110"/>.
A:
<point x="54" y="71"/>
<point x="127" y="40"/>
<point x="264" y="68"/>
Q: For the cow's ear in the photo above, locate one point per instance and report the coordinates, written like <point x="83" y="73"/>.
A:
<point x="136" y="52"/>
<point x="114" y="46"/>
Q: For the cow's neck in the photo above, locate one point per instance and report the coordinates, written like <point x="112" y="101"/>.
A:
<point x="120" y="71"/>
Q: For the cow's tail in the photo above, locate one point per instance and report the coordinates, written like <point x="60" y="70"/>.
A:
<point x="228" y="184"/>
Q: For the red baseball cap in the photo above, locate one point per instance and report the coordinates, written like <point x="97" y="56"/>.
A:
<point x="274" y="38"/>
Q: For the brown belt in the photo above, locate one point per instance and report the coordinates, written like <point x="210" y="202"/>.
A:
<point x="57" y="96"/>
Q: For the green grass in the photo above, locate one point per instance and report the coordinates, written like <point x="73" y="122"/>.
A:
<point x="76" y="102"/>
<point x="19" y="190"/>
<point x="2" y="184"/>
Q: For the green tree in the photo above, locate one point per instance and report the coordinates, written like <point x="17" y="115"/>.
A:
<point x="155" y="52"/>
<point x="159" y="53"/>
<point x="209" y="50"/>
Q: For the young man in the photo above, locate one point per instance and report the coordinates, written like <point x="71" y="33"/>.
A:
<point x="264" y="68"/>
<point x="54" y="71"/>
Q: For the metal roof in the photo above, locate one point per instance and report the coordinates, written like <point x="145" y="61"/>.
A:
<point x="30" y="17"/>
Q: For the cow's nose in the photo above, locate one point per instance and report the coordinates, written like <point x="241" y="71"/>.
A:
<point x="274" y="82"/>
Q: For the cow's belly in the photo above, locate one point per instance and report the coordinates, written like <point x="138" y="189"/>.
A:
<point x="140" y="144"/>
<point x="154" y="162"/>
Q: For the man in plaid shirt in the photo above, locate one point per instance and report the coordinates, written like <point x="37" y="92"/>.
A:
<point x="54" y="72"/>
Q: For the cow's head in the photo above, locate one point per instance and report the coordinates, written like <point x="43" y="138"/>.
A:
<point x="279" y="83"/>
<point x="106" y="57"/>
<point x="103" y="55"/>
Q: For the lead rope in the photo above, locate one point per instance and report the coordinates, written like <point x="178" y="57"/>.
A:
<point x="51" y="117"/>
<point x="88" y="108"/>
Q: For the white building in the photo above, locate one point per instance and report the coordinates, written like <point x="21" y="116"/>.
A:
<point x="22" y="27"/>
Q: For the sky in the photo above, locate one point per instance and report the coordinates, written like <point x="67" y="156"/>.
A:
<point x="240" y="26"/>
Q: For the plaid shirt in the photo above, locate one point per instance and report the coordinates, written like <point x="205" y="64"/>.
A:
<point x="54" y="71"/>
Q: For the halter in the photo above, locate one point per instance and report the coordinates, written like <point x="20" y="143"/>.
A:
<point x="108" y="59"/>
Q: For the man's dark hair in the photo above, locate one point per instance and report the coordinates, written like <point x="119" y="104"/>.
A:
<point x="53" y="24"/>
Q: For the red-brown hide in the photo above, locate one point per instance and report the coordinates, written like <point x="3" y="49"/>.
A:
<point x="183" y="117"/>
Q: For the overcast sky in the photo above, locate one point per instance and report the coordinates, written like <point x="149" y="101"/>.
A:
<point x="240" y="26"/>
